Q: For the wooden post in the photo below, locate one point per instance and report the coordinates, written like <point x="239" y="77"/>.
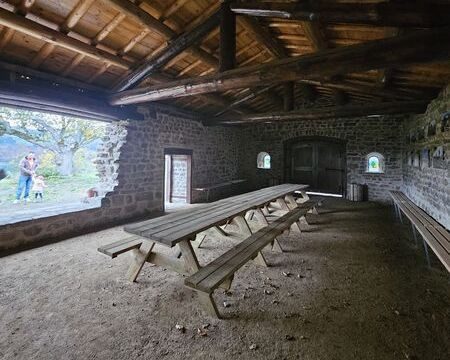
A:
<point x="227" y="38"/>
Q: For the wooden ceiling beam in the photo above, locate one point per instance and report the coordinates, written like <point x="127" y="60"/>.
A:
<point x="410" y="14"/>
<point x="177" y="46"/>
<point x="52" y="78"/>
<point x="333" y="112"/>
<point x="416" y="47"/>
<point x="144" y="18"/>
<point x="61" y="101"/>
<point x="210" y="98"/>
<point x="41" y="32"/>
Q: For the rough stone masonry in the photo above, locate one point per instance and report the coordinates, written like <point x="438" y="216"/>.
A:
<point x="132" y="162"/>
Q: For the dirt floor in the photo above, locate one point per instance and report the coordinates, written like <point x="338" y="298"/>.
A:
<point x="355" y="289"/>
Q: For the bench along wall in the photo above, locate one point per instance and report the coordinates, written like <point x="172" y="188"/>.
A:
<point x="426" y="159"/>
<point x="136" y="172"/>
<point x="362" y="136"/>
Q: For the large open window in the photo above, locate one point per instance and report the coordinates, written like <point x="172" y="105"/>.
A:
<point x="51" y="164"/>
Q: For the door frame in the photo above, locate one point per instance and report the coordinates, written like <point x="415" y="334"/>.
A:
<point x="167" y="183"/>
<point x="287" y="147"/>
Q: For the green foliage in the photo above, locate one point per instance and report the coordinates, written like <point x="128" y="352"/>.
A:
<point x="47" y="165"/>
<point x="56" y="133"/>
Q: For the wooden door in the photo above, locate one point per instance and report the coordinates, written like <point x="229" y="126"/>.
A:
<point x="318" y="163"/>
<point x="178" y="176"/>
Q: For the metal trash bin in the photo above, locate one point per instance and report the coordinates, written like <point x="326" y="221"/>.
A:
<point x="355" y="192"/>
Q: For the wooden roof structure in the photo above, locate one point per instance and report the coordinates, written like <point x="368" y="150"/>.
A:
<point x="228" y="61"/>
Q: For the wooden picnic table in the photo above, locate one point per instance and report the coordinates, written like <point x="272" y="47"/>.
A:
<point x="182" y="227"/>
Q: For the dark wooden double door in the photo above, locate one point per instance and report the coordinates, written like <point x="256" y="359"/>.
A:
<point x="320" y="163"/>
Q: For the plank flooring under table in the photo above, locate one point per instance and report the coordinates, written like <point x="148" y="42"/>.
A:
<point x="173" y="228"/>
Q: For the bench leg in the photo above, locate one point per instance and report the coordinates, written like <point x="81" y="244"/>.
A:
<point x="139" y="258"/>
<point x="243" y="226"/>
<point x="276" y="247"/>
<point x="208" y="304"/>
<point x="400" y="217"/>
<point x="414" y="232"/>
<point x="314" y="211"/>
<point x="226" y="285"/>
<point x="260" y="260"/>
<point x="427" y="255"/>
<point x="303" y="221"/>
<point x="295" y="227"/>
<point x="199" y="239"/>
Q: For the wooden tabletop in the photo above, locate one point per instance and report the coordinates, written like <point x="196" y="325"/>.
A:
<point x="171" y="229"/>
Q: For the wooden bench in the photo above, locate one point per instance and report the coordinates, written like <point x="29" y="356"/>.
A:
<point x="433" y="234"/>
<point x="119" y="247"/>
<point x="222" y="269"/>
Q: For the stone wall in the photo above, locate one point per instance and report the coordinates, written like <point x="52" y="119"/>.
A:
<point x="362" y="136"/>
<point x="139" y="170"/>
<point x="426" y="159"/>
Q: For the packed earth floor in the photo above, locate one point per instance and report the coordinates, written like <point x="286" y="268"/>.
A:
<point x="351" y="286"/>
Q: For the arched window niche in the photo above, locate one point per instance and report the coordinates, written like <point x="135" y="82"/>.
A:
<point x="263" y="160"/>
<point x="374" y="163"/>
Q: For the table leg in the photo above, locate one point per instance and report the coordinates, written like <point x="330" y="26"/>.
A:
<point x="304" y="198"/>
<point x="139" y="258"/>
<point x="259" y="215"/>
<point x="189" y="257"/>
<point x="292" y="204"/>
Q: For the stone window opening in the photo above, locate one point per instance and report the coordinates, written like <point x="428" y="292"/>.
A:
<point x="76" y="163"/>
<point x="375" y="163"/>
<point x="263" y="161"/>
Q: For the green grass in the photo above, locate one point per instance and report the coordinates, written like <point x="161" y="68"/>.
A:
<point x="59" y="189"/>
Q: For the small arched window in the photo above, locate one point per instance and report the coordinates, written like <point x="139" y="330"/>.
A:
<point x="263" y="160"/>
<point x="375" y="163"/>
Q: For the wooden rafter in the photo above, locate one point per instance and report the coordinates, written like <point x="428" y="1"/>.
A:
<point x="178" y="45"/>
<point x="333" y="112"/>
<point x="420" y="46"/>
<point x="409" y="14"/>
<point x="142" y="17"/>
<point x="41" y="32"/>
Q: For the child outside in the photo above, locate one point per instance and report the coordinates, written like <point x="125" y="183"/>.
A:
<point x="38" y="188"/>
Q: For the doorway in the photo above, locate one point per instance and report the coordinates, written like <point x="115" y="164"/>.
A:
<point x="177" y="178"/>
<point x="318" y="162"/>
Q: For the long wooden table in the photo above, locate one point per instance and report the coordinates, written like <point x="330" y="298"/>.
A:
<point x="180" y="228"/>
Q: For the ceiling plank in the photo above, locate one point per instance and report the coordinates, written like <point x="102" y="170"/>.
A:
<point x="418" y="46"/>
<point x="142" y="17"/>
<point x="263" y="36"/>
<point x="177" y="46"/>
<point x="75" y="15"/>
<point x="52" y="36"/>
